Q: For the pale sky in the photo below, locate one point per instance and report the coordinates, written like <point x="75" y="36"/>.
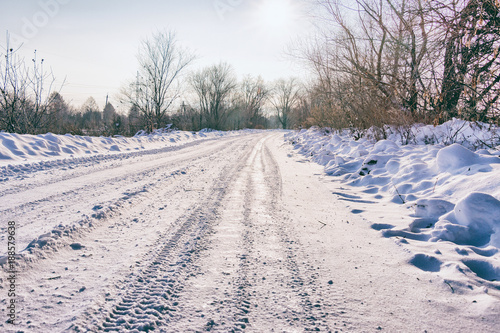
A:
<point x="94" y="43"/>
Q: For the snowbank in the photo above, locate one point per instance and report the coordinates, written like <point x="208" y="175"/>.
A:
<point x="21" y="154"/>
<point x="448" y="178"/>
<point x="19" y="148"/>
<point x="456" y="157"/>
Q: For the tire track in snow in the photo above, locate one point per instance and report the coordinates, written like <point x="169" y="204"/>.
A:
<point x="249" y="275"/>
<point x="153" y="296"/>
<point x="290" y="298"/>
<point x="151" y="299"/>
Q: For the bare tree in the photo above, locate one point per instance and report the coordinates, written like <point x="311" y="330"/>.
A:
<point x="247" y="103"/>
<point x="470" y="34"/>
<point x="25" y="94"/>
<point x="333" y="102"/>
<point x="284" y="98"/>
<point x="214" y="86"/>
<point x="385" y="46"/>
<point x="253" y="96"/>
<point x="161" y="64"/>
<point x="91" y="118"/>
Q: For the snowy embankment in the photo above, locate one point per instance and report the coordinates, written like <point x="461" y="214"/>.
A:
<point x="448" y="179"/>
<point x="21" y="153"/>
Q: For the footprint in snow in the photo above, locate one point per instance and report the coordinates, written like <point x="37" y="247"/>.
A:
<point x="76" y="246"/>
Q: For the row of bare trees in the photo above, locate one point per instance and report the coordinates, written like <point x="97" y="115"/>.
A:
<point x="30" y="105"/>
<point x="219" y="101"/>
<point x="215" y="98"/>
<point x="87" y="119"/>
<point x="397" y="61"/>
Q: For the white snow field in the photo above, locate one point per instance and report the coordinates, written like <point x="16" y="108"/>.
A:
<point x="243" y="231"/>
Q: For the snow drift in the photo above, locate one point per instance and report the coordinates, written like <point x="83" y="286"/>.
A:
<point x="474" y="221"/>
<point x="19" y="148"/>
<point x="448" y="178"/>
<point x="21" y="154"/>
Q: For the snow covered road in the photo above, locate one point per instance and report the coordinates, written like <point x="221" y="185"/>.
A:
<point x="231" y="234"/>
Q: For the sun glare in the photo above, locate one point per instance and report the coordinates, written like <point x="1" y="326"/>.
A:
<point x="276" y="14"/>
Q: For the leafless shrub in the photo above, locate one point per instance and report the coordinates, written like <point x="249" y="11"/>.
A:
<point x="25" y="94"/>
<point x="396" y="61"/>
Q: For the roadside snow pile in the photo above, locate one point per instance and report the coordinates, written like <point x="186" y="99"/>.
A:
<point x="452" y="189"/>
<point x="474" y="221"/>
<point x="468" y="134"/>
<point x="16" y="149"/>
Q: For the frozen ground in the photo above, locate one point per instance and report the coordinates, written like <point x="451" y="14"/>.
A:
<point x="242" y="232"/>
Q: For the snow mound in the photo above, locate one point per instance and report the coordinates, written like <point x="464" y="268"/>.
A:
<point x="385" y="146"/>
<point x="456" y="157"/>
<point x="474" y="221"/>
<point x="432" y="208"/>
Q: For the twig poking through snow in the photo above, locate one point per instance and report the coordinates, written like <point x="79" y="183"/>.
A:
<point x="404" y="202"/>
<point x="323" y="225"/>
<point x="449" y="285"/>
<point x="434" y="188"/>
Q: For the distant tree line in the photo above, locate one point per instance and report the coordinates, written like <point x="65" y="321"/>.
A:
<point x="212" y="97"/>
<point x="218" y="100"/>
